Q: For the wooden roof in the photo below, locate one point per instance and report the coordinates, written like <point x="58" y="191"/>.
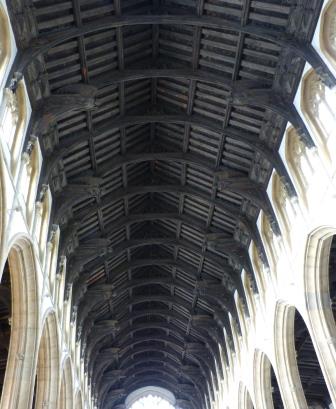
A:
<point x="158" y="163"/>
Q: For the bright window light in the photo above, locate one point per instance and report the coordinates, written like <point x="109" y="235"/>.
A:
<point x="151" y="402"/>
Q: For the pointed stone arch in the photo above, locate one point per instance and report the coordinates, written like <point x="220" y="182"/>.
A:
<point x="5" y="48"/>
<point x="262" y="381"/>
<point x="20" y="372"/>
<point x="244" y="398"/>
<point x="266" y="386"/>
<point x="67" y="389"/>
<point x="311" y="375"/>
<point x="285" y="355"/>
<point x="319" y="316"/>
<point x="48" y="364"/>
<point x="79" y="400"/>
<point x="3" y="206"/>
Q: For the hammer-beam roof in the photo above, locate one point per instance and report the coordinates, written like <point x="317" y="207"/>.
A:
<point x="160" y="123"/>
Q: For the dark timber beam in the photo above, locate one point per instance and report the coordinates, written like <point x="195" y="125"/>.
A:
<point x="109" y="402"/>
<point x="98" y="294"/>
<point x="214" y="325"/>
<point x="140" y="300"/>
<point x="145" y="351"/>
<point x="233" y="249"/>
<point x="70" y="98"/>
<point x="205" y="368"/>
<point x="209" y="290"/>
<point x="92" y="249"/>
<point x="267" y="99"/>
<point x="116" y="77"/>
<point x="176" y="363"/>
<point x="126" y="221"/>
<point x="72" y="143"/>
<point x="277" y="103"/>
<point x="205" y="287"/>
<point x="174" y="375"/>
<point x="194" y="401"/>
<point x="74" y="193"/>
<point x="198" y="381"/>
<point x="239" y="183"/>
<point x="175" y="366"/>
<point x="215" y="293"/>
<point x="121" y="160"/>
<point x="87" y="254"/>
<point x="98" y="331"/>
<point x="172" y="341"/>
<point x="283" y="39"/>
<point x="154" y="363"/>
<point x="200" y="321"/>
<point x="98" y="340"/>
<point x="146" y="363"/>
<point x="127" y="325"/>
<point x="179" y="390"/>
<point x="195" y="375"/>
<point x="175" y="360"/>
<point x="164" y="352"/>
<point x="130" y="353"/>
<point x="205" y="354"/>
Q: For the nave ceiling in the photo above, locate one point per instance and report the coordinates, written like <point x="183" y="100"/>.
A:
<point x="159" y="123"/>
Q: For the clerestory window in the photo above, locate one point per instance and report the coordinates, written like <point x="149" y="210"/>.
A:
<point x="151" y="397"/>
<point x="318" y="107"/>
<point x="151" y="402"/>
<point x="328" y="32"/>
